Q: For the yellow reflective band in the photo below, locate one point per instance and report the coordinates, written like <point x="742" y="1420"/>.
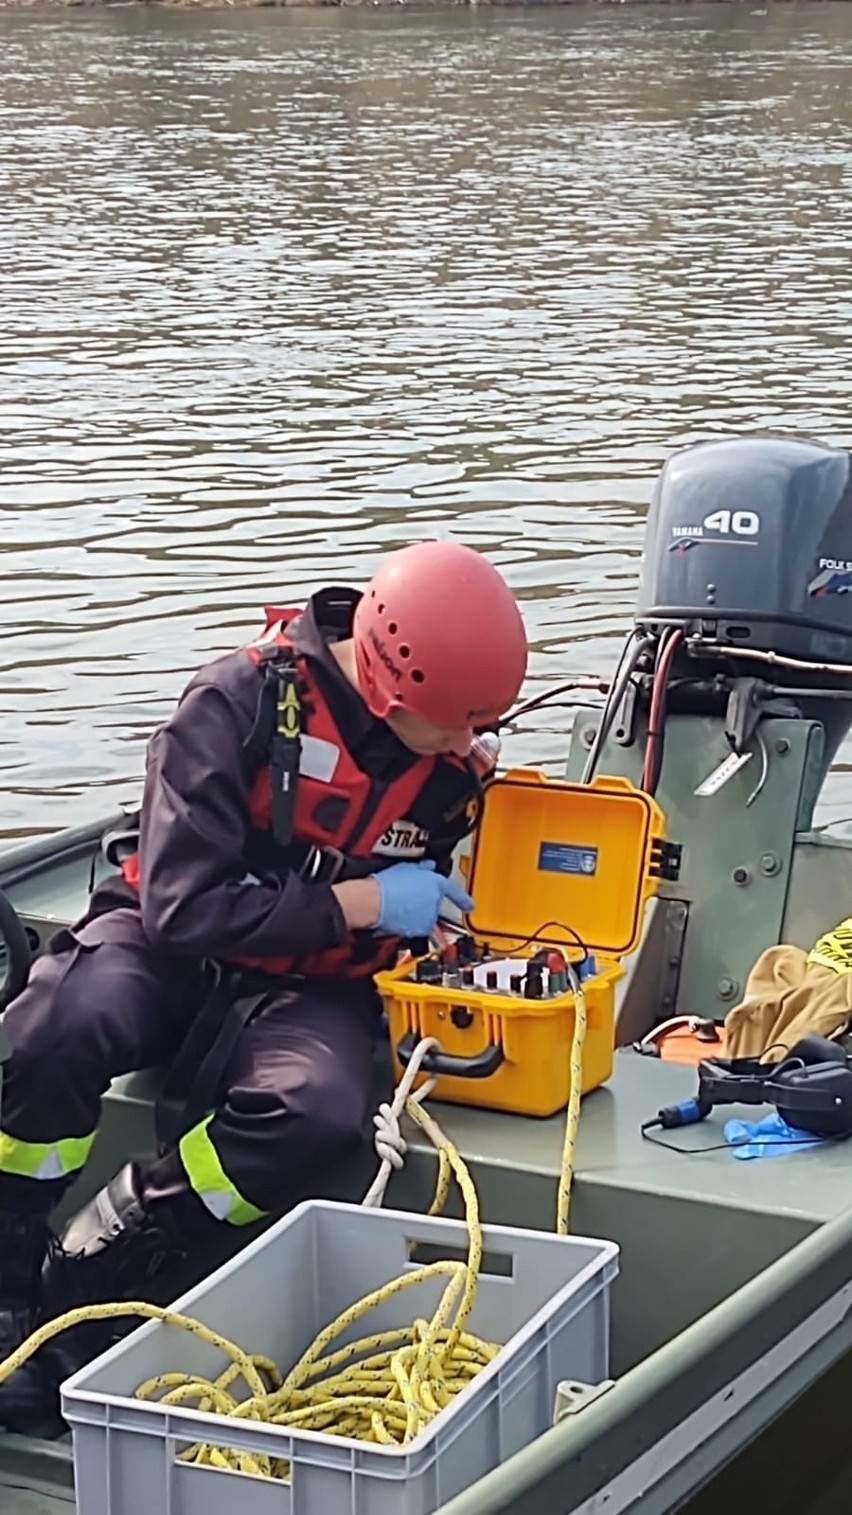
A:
<point x="289" y="712"/>
<point x="44" y="1160"/>
<point x="210" y="1181"/>
<point x="834" y="950"/>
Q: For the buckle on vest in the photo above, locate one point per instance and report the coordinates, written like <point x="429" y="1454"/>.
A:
<point x="322" y="865"/>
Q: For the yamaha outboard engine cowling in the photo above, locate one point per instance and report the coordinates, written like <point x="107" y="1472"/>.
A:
<point x="749" y="551"/>
<point x="749" y="542"/>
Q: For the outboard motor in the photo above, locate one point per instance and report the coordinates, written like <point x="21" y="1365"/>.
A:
<point x="749" y="557"/>
<point x="732" y="696"/>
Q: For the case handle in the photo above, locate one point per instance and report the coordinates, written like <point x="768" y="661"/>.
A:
<point x="447" y="1065"/>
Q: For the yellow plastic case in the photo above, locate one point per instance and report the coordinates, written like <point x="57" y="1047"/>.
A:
<point x="547" y="855"/>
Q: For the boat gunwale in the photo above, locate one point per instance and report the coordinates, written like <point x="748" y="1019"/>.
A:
<point x="675" y="1381"/>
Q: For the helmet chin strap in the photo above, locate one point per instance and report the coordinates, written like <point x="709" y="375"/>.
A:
<point x="344" y="655"/>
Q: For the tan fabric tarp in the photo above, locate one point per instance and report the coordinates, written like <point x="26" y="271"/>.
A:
<point x="788" y="995"/>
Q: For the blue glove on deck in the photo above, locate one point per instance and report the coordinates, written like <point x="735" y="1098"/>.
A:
<point x="770" y="1137"/>
<point x="411" y="898"/>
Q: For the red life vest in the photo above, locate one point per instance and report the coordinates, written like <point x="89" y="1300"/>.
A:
<point x="336" y="805"/>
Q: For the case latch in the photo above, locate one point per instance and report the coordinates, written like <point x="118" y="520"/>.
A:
<point x="665" y="860"/>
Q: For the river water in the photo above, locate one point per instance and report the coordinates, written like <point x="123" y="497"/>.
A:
<point x="281" y="290"/>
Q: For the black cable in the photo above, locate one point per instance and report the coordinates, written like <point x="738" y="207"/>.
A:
<point x="579" y="704"/>
<point x="444" y="920"/>
<point x="773" y="1047"/>
<point x="628" y="662"/>
<point x="562" y="927"/>
<point x="808" y="1140"/>
<point x="586" y="681"/>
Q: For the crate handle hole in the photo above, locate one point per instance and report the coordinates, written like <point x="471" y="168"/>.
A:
<point x="282" y="1468"/>
<point x="494" y="1264"/>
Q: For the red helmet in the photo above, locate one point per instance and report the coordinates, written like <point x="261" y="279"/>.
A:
<point x="438" y="632"/>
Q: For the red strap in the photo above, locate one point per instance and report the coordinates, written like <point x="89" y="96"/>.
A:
<point x="278" y="617"/>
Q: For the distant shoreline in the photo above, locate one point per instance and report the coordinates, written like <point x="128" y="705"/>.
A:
<point x="750" y="5"/>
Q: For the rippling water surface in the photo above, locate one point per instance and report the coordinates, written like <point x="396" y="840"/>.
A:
<point x="282" y="290"/>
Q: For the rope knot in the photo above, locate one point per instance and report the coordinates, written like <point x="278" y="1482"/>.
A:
<point x="390" y="1143"/>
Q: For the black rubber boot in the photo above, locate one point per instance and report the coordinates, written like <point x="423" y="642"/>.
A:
<point x="28" y="1402"/>
<point x="114" y="1249"/>
<point x="145" y="1236"/>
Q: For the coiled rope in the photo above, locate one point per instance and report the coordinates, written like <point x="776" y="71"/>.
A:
<point x="383" y="1388"/>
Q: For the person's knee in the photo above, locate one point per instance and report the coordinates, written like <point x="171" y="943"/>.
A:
<point x="40" y="1024"/>
<point x="273" y="1147"/>
<point x="71" y="1014"/>
<point x="314" y="1115"/>
<point x="331" y="1113"/>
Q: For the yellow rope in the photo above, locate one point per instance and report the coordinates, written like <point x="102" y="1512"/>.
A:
<point x="383" y="1388"/>
<point x="572" y="1118"/>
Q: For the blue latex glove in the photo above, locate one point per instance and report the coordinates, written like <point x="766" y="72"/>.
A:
<point x="411" y="898"/>
<point x="770" y="1137"/>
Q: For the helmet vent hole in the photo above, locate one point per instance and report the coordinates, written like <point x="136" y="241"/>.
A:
<point x="392" y="628"/>
<point x="404" y="652"/>
<point x="417" y="675"/>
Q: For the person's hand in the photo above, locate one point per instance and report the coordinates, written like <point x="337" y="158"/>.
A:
<point x="411" y="896"/>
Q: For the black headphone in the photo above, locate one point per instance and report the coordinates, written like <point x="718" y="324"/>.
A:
<point x="811" y="1089"/>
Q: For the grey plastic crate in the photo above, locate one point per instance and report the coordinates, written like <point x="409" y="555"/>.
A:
<point x="546" y="1298"/>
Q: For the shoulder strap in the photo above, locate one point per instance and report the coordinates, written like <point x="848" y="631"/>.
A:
<point x="285" y="753"/>
<point x="276" y="735"/>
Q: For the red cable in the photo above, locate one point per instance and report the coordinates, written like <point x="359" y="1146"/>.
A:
<point x="661" y="674"/>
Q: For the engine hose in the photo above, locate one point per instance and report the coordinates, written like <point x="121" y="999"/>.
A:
<point x="653" y="762"/>
<point x="383" y="1388"/>
<point x="17" y="949"/>
<point x="631" y="653"/>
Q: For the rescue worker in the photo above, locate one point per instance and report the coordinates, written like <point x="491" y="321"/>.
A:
<point x="300" y="810"/>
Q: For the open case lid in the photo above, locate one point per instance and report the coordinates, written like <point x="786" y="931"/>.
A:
<point x="549" y="854"/>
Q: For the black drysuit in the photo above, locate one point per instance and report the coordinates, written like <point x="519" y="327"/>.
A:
<point x="119" y="990"/>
